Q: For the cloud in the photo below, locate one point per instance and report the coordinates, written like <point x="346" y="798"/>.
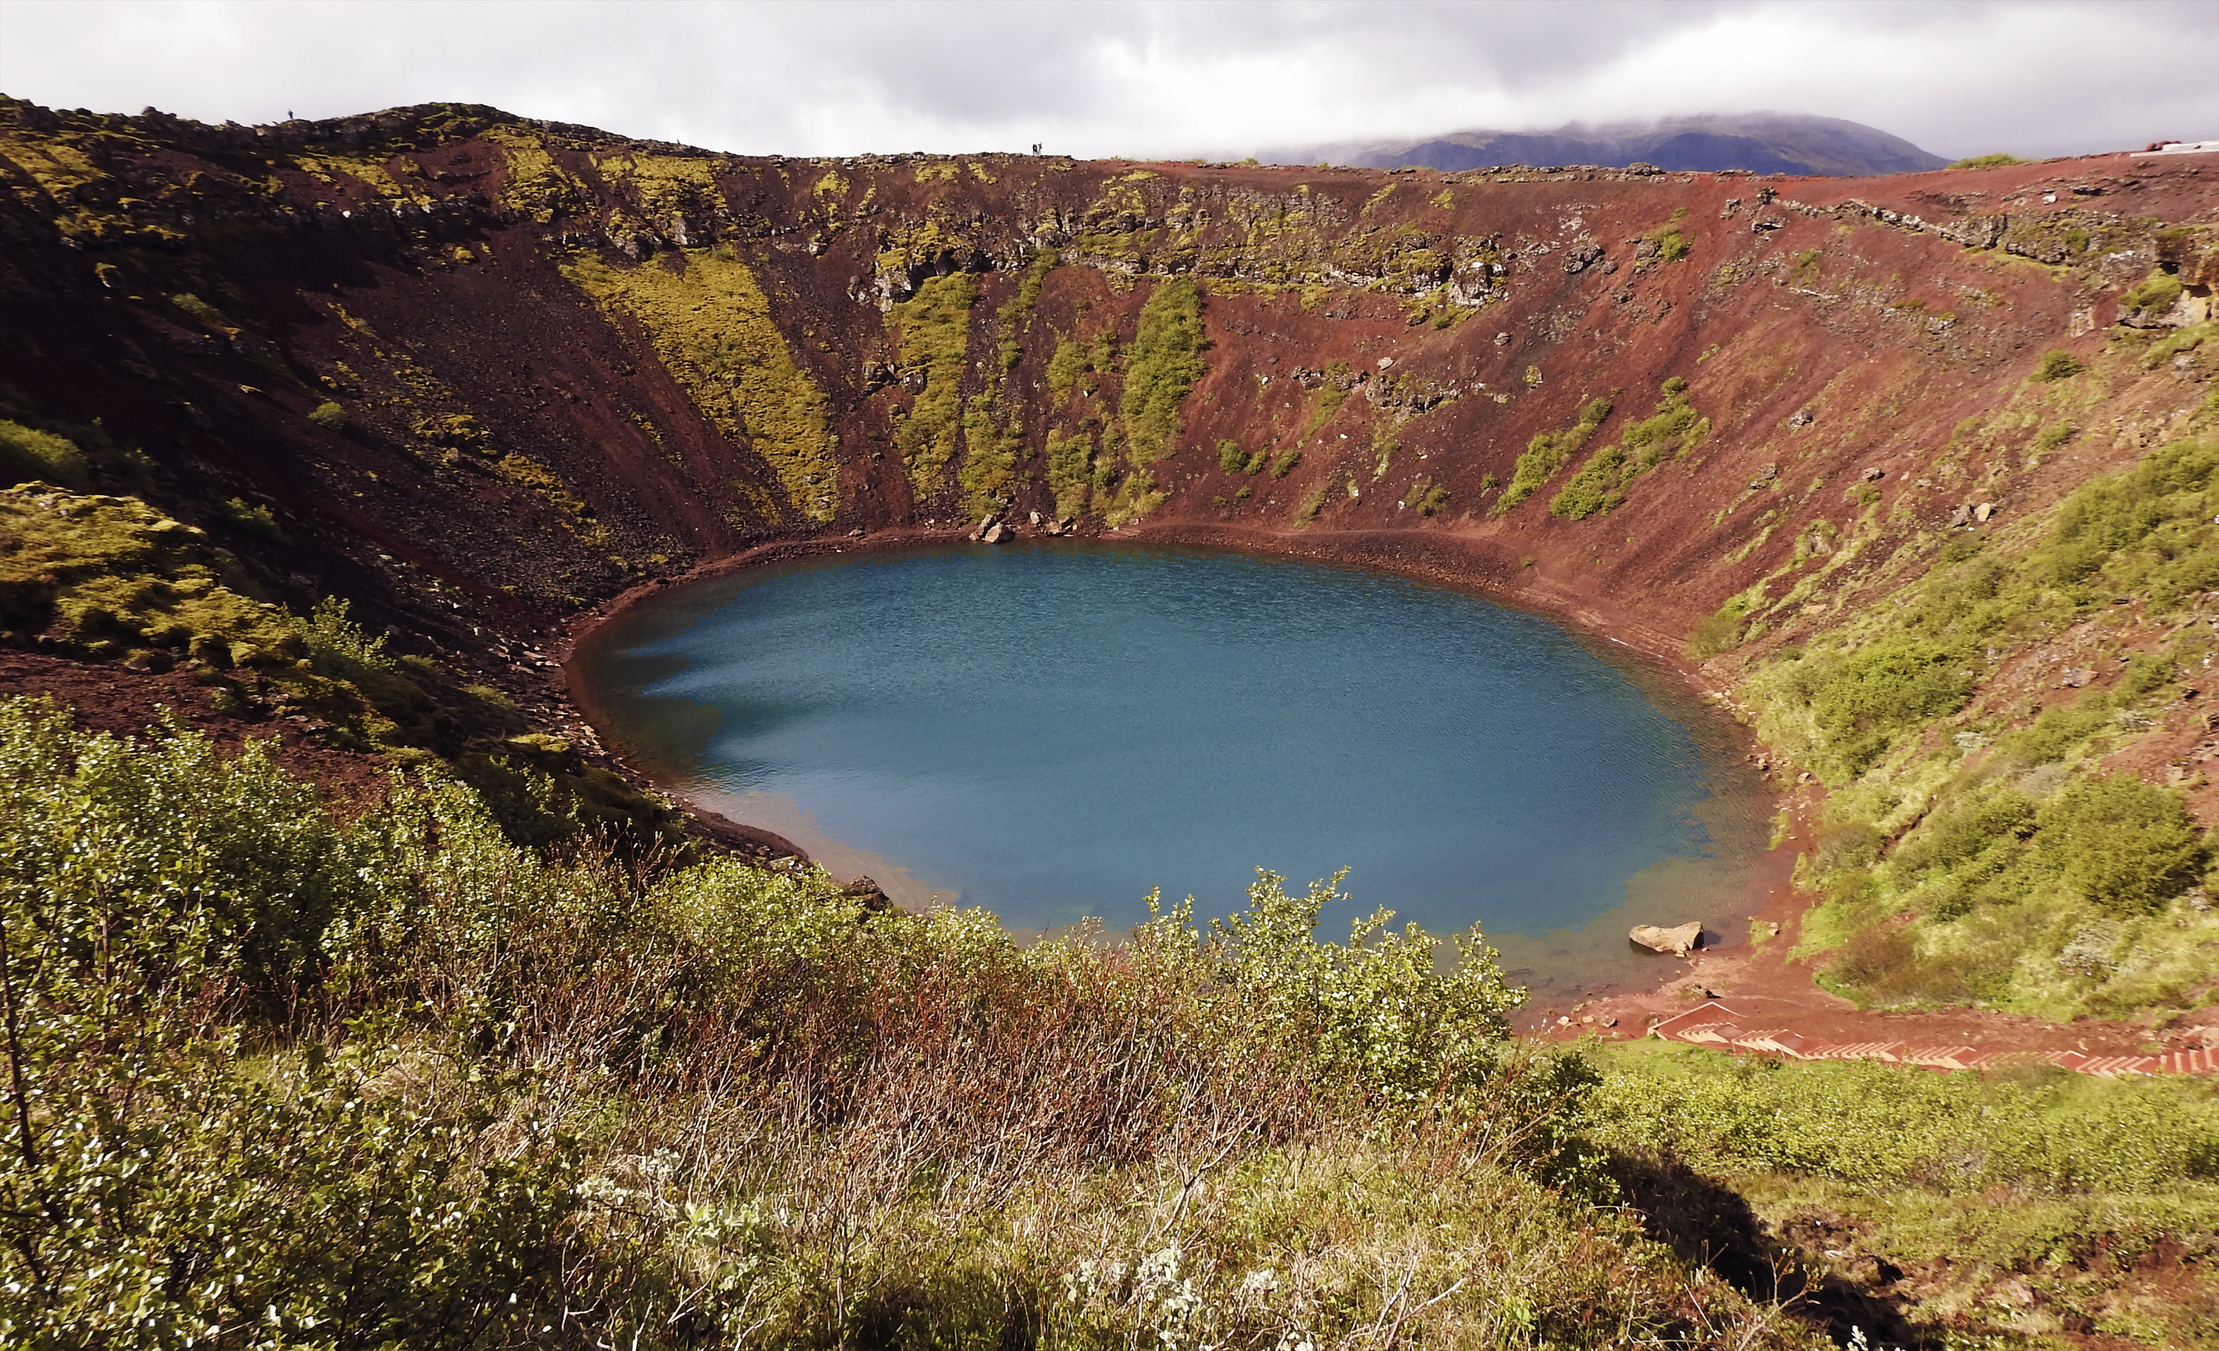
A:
<point x="2034" y="77"/>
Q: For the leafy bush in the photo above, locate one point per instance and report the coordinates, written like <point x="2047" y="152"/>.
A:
<point x="1997" y="160"/>
<point x="1877" y="1126"/>
<point x="2057" y="364"/>
<point x="2126" y="846"/>
<point x="398" y="1081"/>
<point x="255" y="520"/>
<point x="28" y="453"/>
<point x="1377" y="1014"/>
<point x="329" y="416"/>
<point x="1967" y="829"/>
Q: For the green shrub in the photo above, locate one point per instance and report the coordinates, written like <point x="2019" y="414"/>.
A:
<point x="28" y="453"/>
<point x="1997" y="160"/>
<point x="1231" y="458"/>
<point x="329" y="416"/>
<point x="497" y="1098"/>
<point x="1860" y="701"/>
<point x="1070" y="470"/>
<point x="2057" y="731"/>
<point x="1594" y="488"/>
<point x="255" y="520"/>
<point x="2057" y="364"/>
<point x="1965" y="831"/>
<point x="1381" y="1013"/>
<point x="1285" y="464"/>
<point x="1599" y="486"/>
<point x="2126" y="846"/>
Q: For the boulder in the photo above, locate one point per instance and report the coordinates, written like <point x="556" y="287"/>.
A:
<point x="1679" y="941"/>
<point x="995" y="533"/>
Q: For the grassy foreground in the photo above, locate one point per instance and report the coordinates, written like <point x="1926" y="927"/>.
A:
<point x="278" y="1078"/>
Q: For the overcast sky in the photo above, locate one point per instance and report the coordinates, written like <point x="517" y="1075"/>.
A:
<point x="1145" y="79"/>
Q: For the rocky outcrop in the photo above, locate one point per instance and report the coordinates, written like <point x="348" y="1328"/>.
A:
<point x="868" y="894"/>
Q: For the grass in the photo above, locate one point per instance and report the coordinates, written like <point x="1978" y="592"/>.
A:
<point x="2155" y="293"/>
<point x="32" y="453"/>
<point x="108" y="578"/>
<point x="1998" y="1209"/>
<point x="993" y="447"/>
<point x="105" y="576"/>
<point x="1997" y="160"/>
<point x="2006" y="866"/>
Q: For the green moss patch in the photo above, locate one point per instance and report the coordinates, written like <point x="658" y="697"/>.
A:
<point x="932" y="335"/>
<point x="711" y="325"/>
<point x="1670" y="433"/>
<point x="107" y="576"/>
<point x="1546" y="453"/>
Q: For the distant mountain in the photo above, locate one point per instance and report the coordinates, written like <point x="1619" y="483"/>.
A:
<point x="1765" y="143"/>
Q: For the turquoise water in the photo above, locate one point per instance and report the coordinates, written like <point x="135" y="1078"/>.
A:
<point x="1050" y="731"/>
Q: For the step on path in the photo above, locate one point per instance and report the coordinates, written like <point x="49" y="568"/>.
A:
<point x="1714" y="1024"/>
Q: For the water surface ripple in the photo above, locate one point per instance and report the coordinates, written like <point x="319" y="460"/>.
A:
<point x="1050" y="731"/>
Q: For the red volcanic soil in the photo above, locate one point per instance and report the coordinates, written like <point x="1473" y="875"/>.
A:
<point x="112" y="698"/>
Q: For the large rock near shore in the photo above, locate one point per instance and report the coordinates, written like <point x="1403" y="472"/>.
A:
<point x="1678" y="941"/>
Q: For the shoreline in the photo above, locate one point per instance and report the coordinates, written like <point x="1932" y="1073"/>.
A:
<point x="1459" y="562"/>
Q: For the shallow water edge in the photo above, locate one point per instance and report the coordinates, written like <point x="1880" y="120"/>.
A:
<point x="1589" y="959"/>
